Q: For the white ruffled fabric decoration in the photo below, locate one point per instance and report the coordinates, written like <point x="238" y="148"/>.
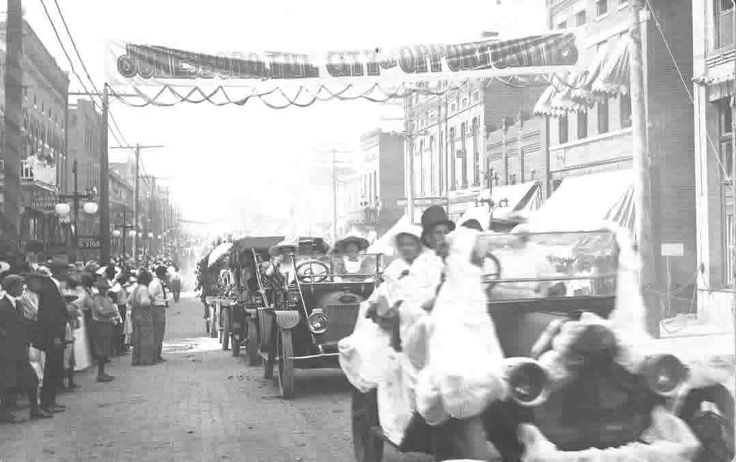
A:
<point x="370" y="363"/>
<point x="463" y="374"/>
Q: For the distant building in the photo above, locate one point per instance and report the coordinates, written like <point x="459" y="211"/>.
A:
<point x="84" y="153"/>
<point x="466" y="141"/>
<point x="371" y="194"/>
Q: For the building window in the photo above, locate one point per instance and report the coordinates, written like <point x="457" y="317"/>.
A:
<point x="625" y="111"/>
<point x="582" y="125"/>
<point x="562" y="129"/>
<point x="453" y="182"/>
<point x="464" y="163"/>
<point x="603" y="116"/>
<point x="725" y="129"/>
<point x="601" y="7"/>
<point x="512" y="178"/>
<point x="580" y="18"/>
<point x="476" y="153"/>
<point x="421" y="169"/>
<point x="723" y="10"/>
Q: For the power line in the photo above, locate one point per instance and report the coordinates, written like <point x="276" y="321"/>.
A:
<point x="63" y="48"/>
<point x="113" y="126"/>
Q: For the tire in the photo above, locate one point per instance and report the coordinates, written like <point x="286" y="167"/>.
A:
<point x="270" y="359"/>
<point x="367" y="445"/>
<point x="225" y="331"/>
<point x="286" y="364"/>
<point x="214" y="329"/>
<point x="264" y="331"/>
<point x="268" y="365"/>
<point x="251" y="346"/>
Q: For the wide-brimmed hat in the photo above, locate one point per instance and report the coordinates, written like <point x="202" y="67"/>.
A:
<point x="434" y="216"/>
<point x="284" y="247"/>
<point x="342" y="244"/>
<point x="410" y="230"/>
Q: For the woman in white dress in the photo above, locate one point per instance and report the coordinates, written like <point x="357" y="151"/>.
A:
<point x="82" y="353"/>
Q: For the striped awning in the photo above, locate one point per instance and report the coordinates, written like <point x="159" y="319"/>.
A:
<point x="607" y="75"/>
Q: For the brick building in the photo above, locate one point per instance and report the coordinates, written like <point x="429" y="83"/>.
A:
<point x="589" y="114"/>
<point x="713" y="61"/>
<point x="81" y="168"/>
<point x="467" y="142"/>
<point x="370" y="194"/>
<point x="45" y="89"/>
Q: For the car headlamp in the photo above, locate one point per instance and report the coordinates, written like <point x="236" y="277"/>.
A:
<point x="528" y="381"/>
<point x="664" y="374"/>
<point x="317" y="321"/>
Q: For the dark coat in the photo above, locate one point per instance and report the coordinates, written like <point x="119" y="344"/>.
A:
<point x="13" y="333"/>
<point x="52" y="316"/>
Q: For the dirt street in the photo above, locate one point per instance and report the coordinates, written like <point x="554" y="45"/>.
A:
<point x="201" y="405"/>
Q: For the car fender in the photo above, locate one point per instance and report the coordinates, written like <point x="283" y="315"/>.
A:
<point x="287" y="319"/>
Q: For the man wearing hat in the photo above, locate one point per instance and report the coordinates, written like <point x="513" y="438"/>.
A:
<point x="16" y="371"/>
<point x="52" y="322"/>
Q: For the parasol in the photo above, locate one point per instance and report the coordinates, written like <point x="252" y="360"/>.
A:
<point x="218" y="252"/>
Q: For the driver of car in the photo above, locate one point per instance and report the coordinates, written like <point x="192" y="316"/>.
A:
<point x="523" y="263"/>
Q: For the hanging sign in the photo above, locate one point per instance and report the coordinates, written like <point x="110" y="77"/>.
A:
<point x="149" y="65"/>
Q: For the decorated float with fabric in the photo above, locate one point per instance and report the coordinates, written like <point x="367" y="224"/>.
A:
<point x="577" y="378"/>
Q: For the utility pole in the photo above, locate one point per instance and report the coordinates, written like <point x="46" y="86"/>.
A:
<point x="733" y="177"/>
<point x="642" y="172"/>
<point x="13" y="120"/>
<point x="136" y="203"/>
<point x="334" y="197"/>
<point x="410" y="183"/>
<point x="104" y="184"/>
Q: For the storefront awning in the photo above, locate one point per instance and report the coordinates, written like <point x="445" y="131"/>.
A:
<point x="587" y="202"/>
<point x="517" y="200"/>
<point x="607" y="75"/>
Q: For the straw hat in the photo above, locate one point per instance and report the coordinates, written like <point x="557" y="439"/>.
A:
<point x="284" y="247"/>
<point x="342" y="244"/>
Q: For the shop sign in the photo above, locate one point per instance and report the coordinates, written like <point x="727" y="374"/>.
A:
<point x="88" y="242"/>
<point x="39" y="199"/>
<point x="423" y="202"/>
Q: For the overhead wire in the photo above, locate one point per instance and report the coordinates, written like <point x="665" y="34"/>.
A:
<point x="113" y="126"/>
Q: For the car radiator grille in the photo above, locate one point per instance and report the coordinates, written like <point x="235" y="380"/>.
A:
<point x="341" y="321"/>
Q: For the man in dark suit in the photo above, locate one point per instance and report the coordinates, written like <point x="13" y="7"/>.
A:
<point x="15" y="368"/>
<point x="52" y="320"/>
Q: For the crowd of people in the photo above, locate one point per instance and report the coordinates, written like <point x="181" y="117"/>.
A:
<point x="57" y="319"/>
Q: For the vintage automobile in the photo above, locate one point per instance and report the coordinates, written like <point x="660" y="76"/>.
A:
<point x="239" y="320"/>
<point x="597" y="406"/>
<point x="324" y="293"/>
<point x="207" y="283"/>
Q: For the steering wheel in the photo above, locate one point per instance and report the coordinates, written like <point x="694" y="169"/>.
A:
<point x="490" y="277"/>
<point x="305" y="271"/>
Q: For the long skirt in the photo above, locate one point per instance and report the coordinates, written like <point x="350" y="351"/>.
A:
<point x="143" y="340"/>
<point x="102" y="332"/>
<point x="82" y="353"/>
